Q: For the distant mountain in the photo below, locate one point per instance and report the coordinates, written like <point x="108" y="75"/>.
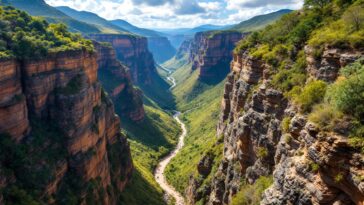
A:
<point x="88" y="17"/>
<point x="134" y="29"/>
<point x="40" y="8"/>
<point x="259" y="22"/>
<point x="192" y="31"/>
<point x="177" y="36"/>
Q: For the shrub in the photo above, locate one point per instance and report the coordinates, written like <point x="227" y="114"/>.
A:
<point x="285" y="124"/>
<point x="325" y="116"/>
<point x="286" y="78"/>
<point x="314" y="166"/>
<point x="339" y="177"/>
<point x="347" y="95"/>
<point x="262" y="152"/>
<point x="310" y="95"/>
<point x="252" y="194"/>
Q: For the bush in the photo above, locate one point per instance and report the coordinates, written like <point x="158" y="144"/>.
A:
<point x="285" y="124"/>
<point x="262" y="152"/>
<point x="310" y="95"/>
<point x="252" y="194"/>
<point x="27" y="37"/>
<point x="325" y="116"/>
<point x="347" y="95"/>
<point x="286" y="79"/>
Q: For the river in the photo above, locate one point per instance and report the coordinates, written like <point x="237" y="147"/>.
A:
<point x="159" y="172"/>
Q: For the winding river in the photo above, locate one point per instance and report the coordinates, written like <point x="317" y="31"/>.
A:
<point x="159" y="172"/>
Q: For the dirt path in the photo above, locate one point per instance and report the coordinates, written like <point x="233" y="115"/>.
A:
<point x="159" y="172"/>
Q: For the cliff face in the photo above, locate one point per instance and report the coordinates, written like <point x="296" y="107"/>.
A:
<point x="116" y="79"/>
<point x="133" y="52"/>
<point x="255" y="145"/>
<point x="161" y="48"/>
<point x="211" y="53"/>
<point x="66" y="129"/>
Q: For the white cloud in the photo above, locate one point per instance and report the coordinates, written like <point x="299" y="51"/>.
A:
<point x="178" y="13"/>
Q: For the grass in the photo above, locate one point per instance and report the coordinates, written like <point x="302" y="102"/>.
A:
<point x="252" y="194"/>
<point x="149" y="141"/>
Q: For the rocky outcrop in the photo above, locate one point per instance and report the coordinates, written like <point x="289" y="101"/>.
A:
<point x="116" y="79"/>
<point x="309" y="165"/>
<point x="161" y="48"/>
<point x="133" y="52"/>
<point x="13" y="109"/>
<point x="326" y="66"/>
<point x="58" y="114"/>
<point x="211" y="53"/>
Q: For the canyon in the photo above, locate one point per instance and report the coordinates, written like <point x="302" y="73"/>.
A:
<point x="264" y="113"/>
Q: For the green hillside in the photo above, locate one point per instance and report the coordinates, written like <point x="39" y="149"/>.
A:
<point x="259" y="22"/>
<point x="103" y="25"/>
<point x="40" y="8"/>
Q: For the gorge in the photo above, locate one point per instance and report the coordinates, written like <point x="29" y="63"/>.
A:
<point x="265" y="111"/>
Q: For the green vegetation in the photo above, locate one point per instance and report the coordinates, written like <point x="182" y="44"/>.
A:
<point x="259" y="22"/>
<point x="285" y="124"/>
<point x="35" y="159"/>
<point x="344" y="102"/>
<point x="314" y="166"/>
<point x="262" y="152"/>
<point x="201" y="106"/>
<point x="310" y="95"/>
<point x="73" y="87"/>
<point x="25" y="37"/>
<point x="52" y="15"/>
<point x="150" y="140"/>
<point x="338" y="178"/>
<point x="252" y="194"/>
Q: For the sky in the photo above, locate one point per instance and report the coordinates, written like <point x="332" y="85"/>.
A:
<point x="178" y="13"/>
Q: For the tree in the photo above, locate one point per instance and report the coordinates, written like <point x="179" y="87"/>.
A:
<point x="354" y="17"/>
<point x="317" y="3"/>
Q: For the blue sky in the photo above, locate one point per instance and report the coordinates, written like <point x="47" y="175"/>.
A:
<point x="179" y="13"/>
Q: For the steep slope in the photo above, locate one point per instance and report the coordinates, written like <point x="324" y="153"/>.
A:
<point x="159" y="45"/>
<point x="210" y="53"/>
<point x="40" y="8"/>
<point x="133" y="52"/>
<point x="56" y="123"/>
<point x="116" y="80"/>
<point x="259" y="22"/>
<point x="284" y="112"/>
<point x="88" y="17"/>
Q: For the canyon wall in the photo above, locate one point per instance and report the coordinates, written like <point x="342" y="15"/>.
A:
<point x="161" y="48"/>
<point x="255" y="144"/>
<point x="116" y="79"/>
<point x="60" y="131"/>
<point x="211" y="53"/>
<point x="132" y="51"/>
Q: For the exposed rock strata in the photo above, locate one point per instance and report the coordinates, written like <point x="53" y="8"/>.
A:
<point x="308" y="165"/>
<point x="62" y="91"/>
<point x="117" y="81"/>
<point x="133" y="52"/>
<point x="211" y="53"/>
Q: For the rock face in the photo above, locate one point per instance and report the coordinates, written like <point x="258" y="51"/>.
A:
<point x="116" y="79"/>
<point x="309" y="166"/>
<point x="133" y="52"/>
<point x="211" y="53"/>
<point x="61" y="96"/>
<point x="161" y="48"/>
